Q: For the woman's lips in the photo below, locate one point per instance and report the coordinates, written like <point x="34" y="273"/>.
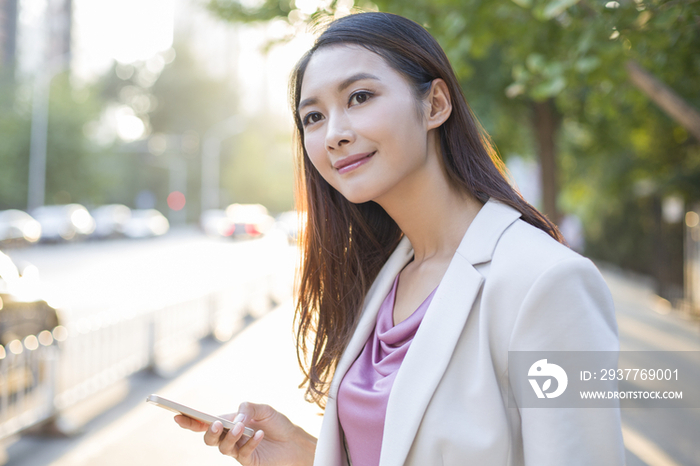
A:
<point x="352" y="162"/>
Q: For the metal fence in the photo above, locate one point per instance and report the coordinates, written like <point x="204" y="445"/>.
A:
<point x="47" y="373"/>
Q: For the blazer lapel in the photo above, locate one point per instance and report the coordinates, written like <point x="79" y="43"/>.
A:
<point x="427" y="358"/>
<point x="329" y="451"/>
<point x="439" y="332"/>
<point x="375" y="296"/>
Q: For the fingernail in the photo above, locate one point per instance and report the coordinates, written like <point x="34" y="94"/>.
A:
<point x="237" y="429"/>
<point x="239" y="418"/>
<point x="216" y="427"/>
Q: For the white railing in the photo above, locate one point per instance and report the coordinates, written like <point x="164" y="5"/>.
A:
<point x="45" y="374"/>
<point x="27" y="374"/>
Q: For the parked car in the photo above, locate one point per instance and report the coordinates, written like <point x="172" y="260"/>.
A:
<point x="215" y="222"/>
<point x="23" y="311"/>
<point x="145" y="223"/>
<point x="18" y="226"/>
<point x="110" y="220"/>
<point x="64" y="222"/>
<point x="249" y="220"/>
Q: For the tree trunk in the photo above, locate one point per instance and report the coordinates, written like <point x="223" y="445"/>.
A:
<point x="546" y="123"/>
<point x="660" y="256"/>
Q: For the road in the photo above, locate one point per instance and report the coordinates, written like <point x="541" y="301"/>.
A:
<point x="259" y="364"/>
<point x="88" y="277"/>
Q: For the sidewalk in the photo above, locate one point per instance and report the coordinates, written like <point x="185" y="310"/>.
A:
<point x="258" y="365"/>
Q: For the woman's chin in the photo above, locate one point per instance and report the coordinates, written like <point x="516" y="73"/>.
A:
<point x="358" y="198"/>
<point x="359" y="193"/>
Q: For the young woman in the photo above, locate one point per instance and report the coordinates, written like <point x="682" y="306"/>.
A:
<point x="421" y="269"/>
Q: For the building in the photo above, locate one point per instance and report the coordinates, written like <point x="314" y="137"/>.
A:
<point x="8" y="33"/>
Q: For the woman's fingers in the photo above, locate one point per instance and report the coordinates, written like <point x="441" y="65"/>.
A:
<point x="214" y="434"/>
<point x="232" y="442"/>
<point x="189" y="423"/>
<point x="253" y="412"/>
<point x="245" y="452"/>
<point x="229" y="442"/>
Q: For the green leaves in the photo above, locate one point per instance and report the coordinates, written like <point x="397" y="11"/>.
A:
<point x="234" y="10"/>
<point x="549" y="88"/>
<point x="587" y="64"/>
<point x="523" y="3"/>
<point x="544" y="11"/>
<point x="538" y="79"/>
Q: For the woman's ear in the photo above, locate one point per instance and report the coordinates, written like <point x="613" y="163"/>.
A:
<point x="440" y="103"/>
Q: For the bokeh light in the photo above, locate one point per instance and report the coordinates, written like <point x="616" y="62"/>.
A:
<point x="176" y="200"/>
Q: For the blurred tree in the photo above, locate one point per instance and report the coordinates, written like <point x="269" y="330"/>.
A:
<point x="252" y="162"/>
<point x="257" y="165"/>
<point x="178" y="103"/>
<point x="14" y="147"/>
<point x="186" y="99"/>
<point x="71" y="162"/>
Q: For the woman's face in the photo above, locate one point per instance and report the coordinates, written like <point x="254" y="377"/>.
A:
<point x="362" y="127"/>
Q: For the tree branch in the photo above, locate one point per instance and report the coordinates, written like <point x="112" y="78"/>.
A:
<point x="666" y="98"/>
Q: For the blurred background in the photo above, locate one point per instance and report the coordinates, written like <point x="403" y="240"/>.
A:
<point x="147" y="231"/>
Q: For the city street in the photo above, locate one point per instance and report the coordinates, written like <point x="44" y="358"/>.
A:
<point x="259" y="363"/>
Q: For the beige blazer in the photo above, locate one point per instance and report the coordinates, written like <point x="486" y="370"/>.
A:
<point x="511" y="287"/>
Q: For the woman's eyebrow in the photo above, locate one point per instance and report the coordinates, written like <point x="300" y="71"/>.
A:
<point x="342" y="86"/>
<point x="355" y="78"/>
<point x="307" y="102"/>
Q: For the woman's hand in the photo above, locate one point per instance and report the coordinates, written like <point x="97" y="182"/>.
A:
<point x="276" y="441"/>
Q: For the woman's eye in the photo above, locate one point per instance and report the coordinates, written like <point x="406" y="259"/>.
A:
<point x="359" y="97"/>
<point x="311" y="118"/>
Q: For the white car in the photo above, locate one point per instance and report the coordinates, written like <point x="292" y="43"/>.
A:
<point x="64" y="222"/>
<point x="16" y="225"/>
<point x="249" y="220"/>
<point x="215" y="222"/>
<point x="110" y="220"/>
<point x="145" y="223"/>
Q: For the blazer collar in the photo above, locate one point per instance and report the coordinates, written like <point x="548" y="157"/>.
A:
<point x="481" y="237"/>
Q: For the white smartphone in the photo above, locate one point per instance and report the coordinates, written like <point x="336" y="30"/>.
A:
<point x="193" y="413"/>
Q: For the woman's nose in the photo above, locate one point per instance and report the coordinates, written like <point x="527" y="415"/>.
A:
<point x="339" y="132"/>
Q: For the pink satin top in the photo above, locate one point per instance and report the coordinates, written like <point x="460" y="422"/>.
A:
<point x="364" y="391"/>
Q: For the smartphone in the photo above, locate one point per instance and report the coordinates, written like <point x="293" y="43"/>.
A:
<point x="193" y="413"/>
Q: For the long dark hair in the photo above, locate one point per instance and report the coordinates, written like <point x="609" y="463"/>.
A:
<point x="344" y="245"/>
